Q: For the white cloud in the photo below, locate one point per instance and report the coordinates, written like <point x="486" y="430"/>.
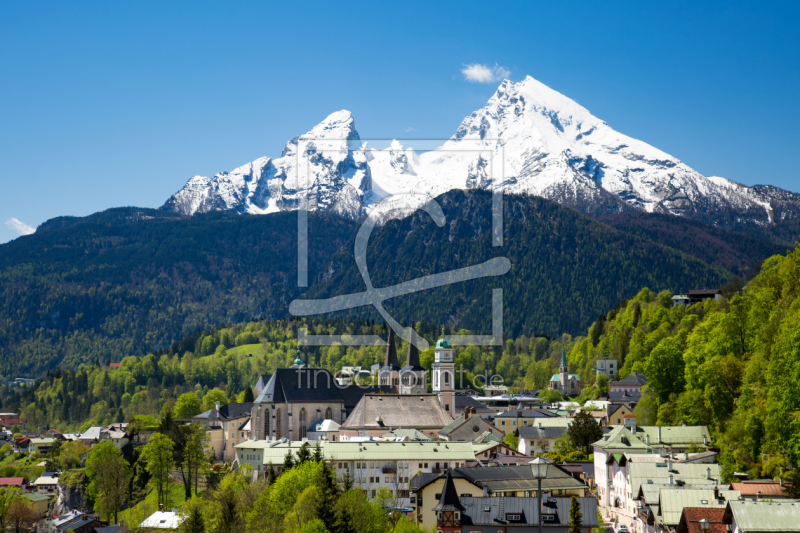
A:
<point x="483" y="74"/>
<point x="19" y="226"/>
<point x="409" y="130"/>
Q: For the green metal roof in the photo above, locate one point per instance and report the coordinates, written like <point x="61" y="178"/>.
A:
<point x="765" y="516"/>
<point x="274" y="452"/>
<point x="557" y="377"/>
<point x="672" y="501"/>
<point x="443" y="343"/>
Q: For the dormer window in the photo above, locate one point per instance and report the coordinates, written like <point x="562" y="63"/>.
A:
<point x="458" y="516"/>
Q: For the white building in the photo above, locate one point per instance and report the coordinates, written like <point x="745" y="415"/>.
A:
<point x="370" y="465"/>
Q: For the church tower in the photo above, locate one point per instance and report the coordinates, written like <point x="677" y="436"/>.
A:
<point x="389" y="373"/>
<point x="564" y="372"/>
<point x="412" y="376"/>
<point x="444" y="373"/>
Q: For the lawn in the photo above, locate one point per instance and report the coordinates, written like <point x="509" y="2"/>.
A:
<point x="136" y="514"/>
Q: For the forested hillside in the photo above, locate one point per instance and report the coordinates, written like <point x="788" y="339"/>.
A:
<point x="129" y="281"/>
<point x="566" y="268"/>
<point x="221" y="363"/>
<point x="733" y="365"/>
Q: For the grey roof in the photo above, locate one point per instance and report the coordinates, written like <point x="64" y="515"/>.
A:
<point x="390" y="362"/>
<point x="412" y="358"/>
<point x="463" y="401"/>
<point x="503" y="478"/>
<point x="534" y="432"/>
<point x="263" y="379"/>
<point x="616" y="396"/>
<point x="113" y="528"/>
<point x="476" y="514"/>
<point x="230" y="411"/>
<point x="418" y="411"/>
<point x="632" y="380"/>
<point x="527" y="413"/>
<point x="764" y="516"/>
<point x="448" y="501"/>
<point x="312" y="385"/>
<point x="75" y="524"/>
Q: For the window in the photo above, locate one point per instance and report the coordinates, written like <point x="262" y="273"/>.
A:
<point x="328" y="414"/>
<point x="512" y="517"/>
<point x="457" y="515"/>
<point x="439" y="516"/>
<point x="373" y="493"/>
<point x="303" y="425"/>
<point x="447" y="378"/>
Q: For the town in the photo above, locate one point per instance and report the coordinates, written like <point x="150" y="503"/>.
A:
<point x="428" y="453"/>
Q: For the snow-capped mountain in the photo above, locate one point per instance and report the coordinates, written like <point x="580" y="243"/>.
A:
<point x="528" y="139"/>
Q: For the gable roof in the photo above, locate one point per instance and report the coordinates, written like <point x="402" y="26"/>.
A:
<point x="763" y="516"/>
<point x="766" y="490"/>
<point x="620" y="437"/>
<point x="690" y="520"/>
<point x="617" y="396"/>
<point x="671" y="502"/>
<point x="463" y="401"/>
<point x="379" y="411"/>
<point x="11" y="481"/>
<point x="503" y="478"/>
<point x="410" y="434"/>
<point x="633" y="380"/>
<point x="535" y="432"/>
<point x="557" y="377"/>
<point x="527" y="413"/>
<point x="475" y="512"/>
<point x="659" y="473"/>
<point x="311" y="385"/>
<point x="475" y="420"/>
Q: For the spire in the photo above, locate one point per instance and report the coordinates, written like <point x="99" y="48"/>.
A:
<point x="391" y="352"/>
<point x="449" y="502"/>
<point x="563" y="357"/>
<point x="412" y="357"/>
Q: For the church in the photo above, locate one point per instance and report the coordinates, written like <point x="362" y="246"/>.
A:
<point x="564" y="382"/>
<point x="409" y="379"/>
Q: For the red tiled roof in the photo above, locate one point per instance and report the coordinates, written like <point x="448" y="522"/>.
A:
<point x="766" y="489"/>
<point x="113" y="365"/>
<point x="690" y="520"/>
<point x="16" y="481"/>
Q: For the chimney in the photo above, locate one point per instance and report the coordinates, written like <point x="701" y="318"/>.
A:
<point x="647" y="439"/>
<point x="687" y="456"/>
<point x="659" y="434"/>
<point x="671" y="479"/>
<point x="669" y="464"/>
<point x="705" y="440"/>
<point x="758" y="495"/>
<point x="708" y="473"/>
<point x="217" y="406"/>
<point x="540" y="425"/>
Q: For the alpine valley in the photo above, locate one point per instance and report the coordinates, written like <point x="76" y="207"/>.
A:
<point x="590" y="216"/>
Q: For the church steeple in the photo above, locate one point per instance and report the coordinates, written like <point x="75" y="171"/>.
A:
<point x="391" y="353"/>
<point x="564" y="366"/>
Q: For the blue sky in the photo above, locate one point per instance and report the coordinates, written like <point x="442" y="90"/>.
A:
<point x="111" y="104"/>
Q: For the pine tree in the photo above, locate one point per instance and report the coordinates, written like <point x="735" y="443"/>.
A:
<point x="248" y="395"/>
<point x="318" y="453"/>
<point x="271" y="474"/>
<point x="288" y="461"/>
<point x="575" y="516"/>
<point x="304" y="453"/>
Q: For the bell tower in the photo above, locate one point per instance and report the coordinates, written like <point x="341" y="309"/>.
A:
<point x="444" y="373"/>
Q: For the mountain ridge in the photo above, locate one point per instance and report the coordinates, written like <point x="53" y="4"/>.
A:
<point x="548" y="145"/>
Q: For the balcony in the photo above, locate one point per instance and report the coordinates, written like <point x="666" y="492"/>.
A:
<point x="387" y="470"/>
<point x="437" y="470"/>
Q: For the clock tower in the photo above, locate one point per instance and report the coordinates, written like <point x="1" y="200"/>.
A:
<point x="444" y="373"/>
